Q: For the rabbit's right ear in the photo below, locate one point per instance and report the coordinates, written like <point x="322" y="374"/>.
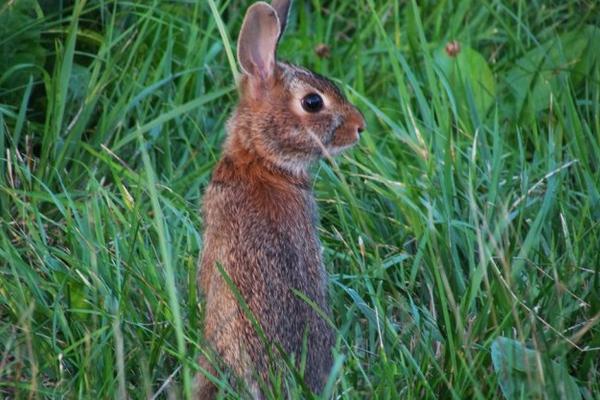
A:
<point x="257" y="42"/>
<point x="283" y="10"/>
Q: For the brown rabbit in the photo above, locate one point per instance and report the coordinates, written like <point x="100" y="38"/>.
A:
<point x="260" y="214"/>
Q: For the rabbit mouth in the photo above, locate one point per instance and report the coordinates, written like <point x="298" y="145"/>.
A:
<point x="326" y="142"/>
<point x="341" y="139"/>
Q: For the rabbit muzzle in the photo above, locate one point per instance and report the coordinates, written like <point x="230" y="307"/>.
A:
<point x="346" y="132"/>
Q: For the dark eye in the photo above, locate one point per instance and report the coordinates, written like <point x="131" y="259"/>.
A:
<point x="312" y="103"/>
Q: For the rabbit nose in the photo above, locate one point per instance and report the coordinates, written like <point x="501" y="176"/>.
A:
<point x="356" y="120"/>
<point x="360" y="127"/>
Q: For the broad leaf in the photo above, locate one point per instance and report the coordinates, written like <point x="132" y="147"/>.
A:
<point x="469" y="77"/>
<point x="544" y="71"/>
<point x="21" y="54"/>
<point x="527" y="374"/>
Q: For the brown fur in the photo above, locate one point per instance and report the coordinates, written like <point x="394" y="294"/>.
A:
<point x="260" y="225"/>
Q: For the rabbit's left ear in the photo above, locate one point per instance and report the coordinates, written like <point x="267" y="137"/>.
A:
<point x="257" y="42"/>
<point x="282" y="7"/>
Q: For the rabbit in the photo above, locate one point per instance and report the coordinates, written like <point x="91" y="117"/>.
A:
<point x="260" y="216"/>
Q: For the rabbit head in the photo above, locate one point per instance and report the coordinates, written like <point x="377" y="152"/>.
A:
<point x="287" y="114"/>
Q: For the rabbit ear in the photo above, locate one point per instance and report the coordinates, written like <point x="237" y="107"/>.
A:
<point x="258" y="41"/>
<point x="283" y="10"/>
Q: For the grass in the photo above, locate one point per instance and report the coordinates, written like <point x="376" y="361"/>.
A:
<point x="461" y="235"/>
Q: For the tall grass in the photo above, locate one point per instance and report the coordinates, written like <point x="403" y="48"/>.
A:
<point x="461" y="239"/>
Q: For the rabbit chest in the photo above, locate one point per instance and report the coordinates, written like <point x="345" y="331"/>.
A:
<point x="262" y="230"/>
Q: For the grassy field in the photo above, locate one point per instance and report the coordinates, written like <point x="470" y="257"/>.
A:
<point x="462" y="234"/>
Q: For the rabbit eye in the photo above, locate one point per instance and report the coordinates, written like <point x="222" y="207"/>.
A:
<point x="312" y="103"/>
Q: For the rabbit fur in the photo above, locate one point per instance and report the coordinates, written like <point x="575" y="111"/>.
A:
<point x="260" y="215"/>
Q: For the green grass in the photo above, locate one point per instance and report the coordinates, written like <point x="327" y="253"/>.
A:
<point x="468" y="215"/>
